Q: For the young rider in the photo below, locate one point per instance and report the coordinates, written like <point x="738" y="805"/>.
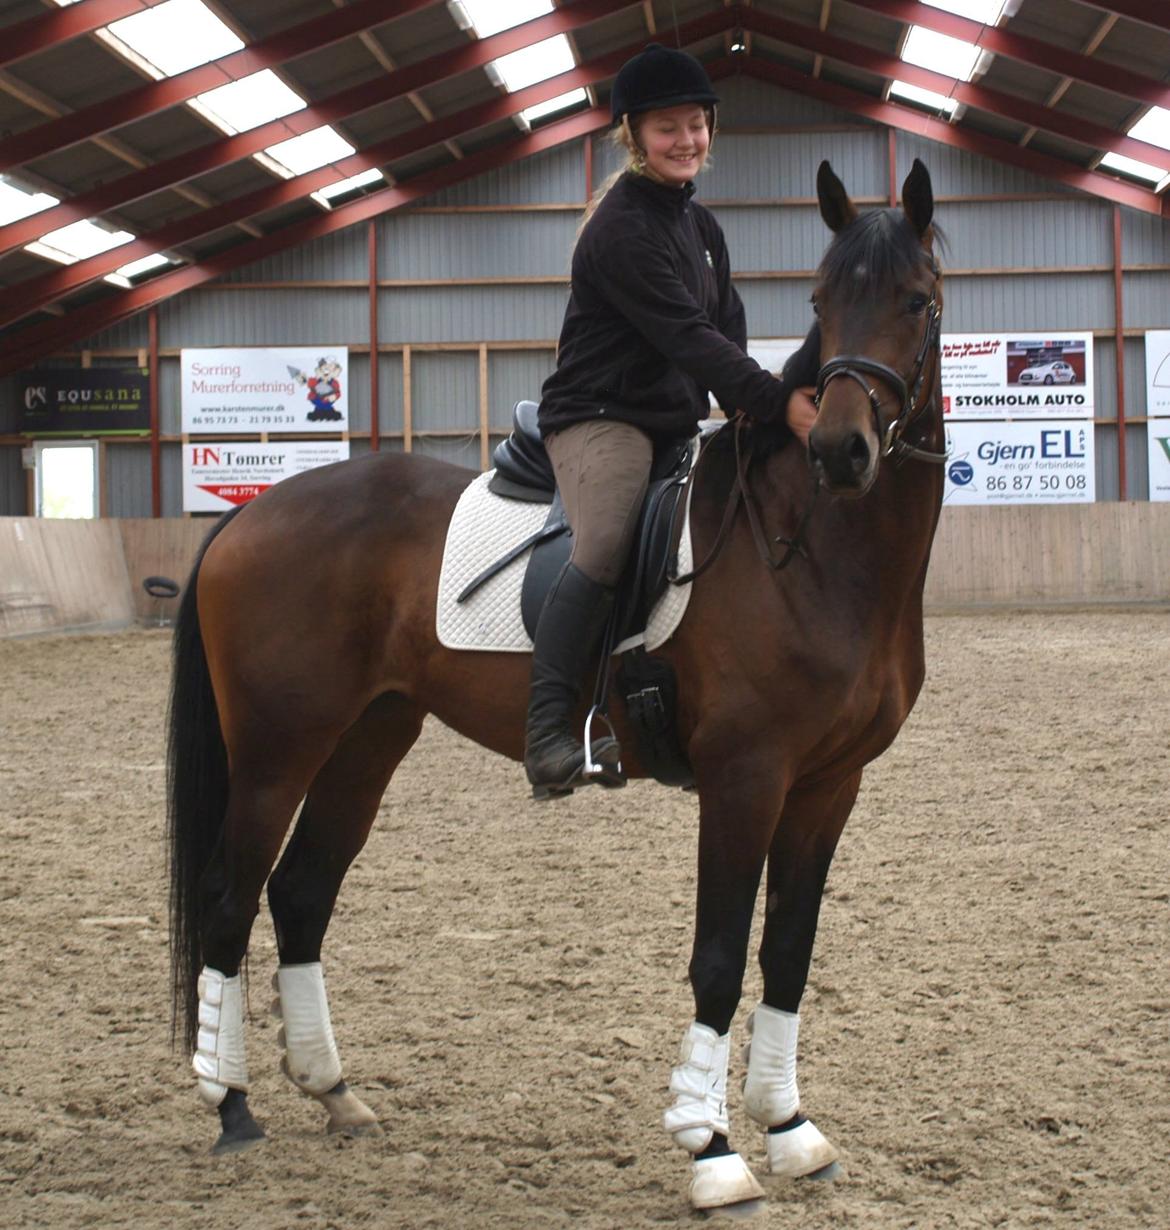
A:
<point x="653" y="323"/>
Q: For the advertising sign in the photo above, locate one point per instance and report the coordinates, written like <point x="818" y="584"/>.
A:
<point x="84" y="401"/>
<point x="1017" y="375"/>
<point x="1158" y="373"/>
<point x="1020" y="463"/>
<point x="1159" y="444"/>
<point x="258" y="389"/>
<point x="218" y="475"/>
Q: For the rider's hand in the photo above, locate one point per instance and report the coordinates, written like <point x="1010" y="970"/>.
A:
<point x="801" y="413"/>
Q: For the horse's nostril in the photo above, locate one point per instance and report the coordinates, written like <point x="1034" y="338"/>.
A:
<point x="858" y="452"/>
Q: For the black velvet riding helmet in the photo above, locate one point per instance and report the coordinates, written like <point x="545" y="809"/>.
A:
<point x="660" y="77"/>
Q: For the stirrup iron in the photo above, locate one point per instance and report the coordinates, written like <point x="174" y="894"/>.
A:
<point x="595" y="771"/>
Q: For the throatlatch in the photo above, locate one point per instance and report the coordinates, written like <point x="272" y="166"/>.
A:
<point x="311" y="1060"/>
<point x="219" y="1061"/>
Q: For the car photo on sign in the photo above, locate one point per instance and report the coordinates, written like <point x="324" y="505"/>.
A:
<point x="1047" y="373"/>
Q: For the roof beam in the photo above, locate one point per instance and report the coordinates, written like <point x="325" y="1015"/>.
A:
<point x="1008" y="106"/>
<point x="28" y="345"/>
<point x="1152" y="12"/>
<point x="225" y="150"/>
<point x="157" y="96"/>
<point x="37" y="292"/>
<point x="48" y="30"/>
<point x="910" y="120"/>
<point x="37" y="340"/>
<point x="1030" y="51"/>
<point x="1061" y="88"/>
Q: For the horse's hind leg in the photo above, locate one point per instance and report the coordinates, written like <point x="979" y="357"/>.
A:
<point x="263" y="794"/>
<point x="798" y="863"/>
<point x="339" y="811"/>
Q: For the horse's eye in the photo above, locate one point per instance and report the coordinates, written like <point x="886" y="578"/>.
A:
<point x="816" y="307"/>
<point x="917" y="304"/>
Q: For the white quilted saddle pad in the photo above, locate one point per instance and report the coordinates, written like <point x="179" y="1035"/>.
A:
<point x="483" y="528"/>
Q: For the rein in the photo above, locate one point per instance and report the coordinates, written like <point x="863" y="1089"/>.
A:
<point x="741" y="491"/>
<point x="908" y="392"/>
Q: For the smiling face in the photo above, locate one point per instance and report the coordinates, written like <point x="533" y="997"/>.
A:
<point x="675" y="141"/>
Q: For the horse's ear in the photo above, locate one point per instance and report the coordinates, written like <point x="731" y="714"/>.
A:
<point x="918" y="197"/>
<point x="836" y="207"/>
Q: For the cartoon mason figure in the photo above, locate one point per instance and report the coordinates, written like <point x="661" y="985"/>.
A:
<point x="324" y="388"/>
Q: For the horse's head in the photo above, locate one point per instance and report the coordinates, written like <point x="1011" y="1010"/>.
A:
<point x="879" y="299"/>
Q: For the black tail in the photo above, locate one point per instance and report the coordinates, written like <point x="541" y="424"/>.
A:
<point x="197" y="790"/>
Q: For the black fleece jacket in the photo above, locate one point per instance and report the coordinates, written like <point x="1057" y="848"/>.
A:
<point x="654" y="322"/>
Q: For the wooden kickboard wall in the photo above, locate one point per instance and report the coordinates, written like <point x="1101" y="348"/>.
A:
<point x="68" y="575"/>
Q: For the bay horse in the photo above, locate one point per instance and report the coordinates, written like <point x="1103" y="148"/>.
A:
<point x="306" y="658"/>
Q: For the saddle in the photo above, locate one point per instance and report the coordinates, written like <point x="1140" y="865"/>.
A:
<point x="523" y="471"/>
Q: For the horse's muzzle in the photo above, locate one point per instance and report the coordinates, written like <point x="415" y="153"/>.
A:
<point x="845" y="462"/>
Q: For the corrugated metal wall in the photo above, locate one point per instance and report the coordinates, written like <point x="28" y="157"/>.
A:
<point x="468" y="232"/>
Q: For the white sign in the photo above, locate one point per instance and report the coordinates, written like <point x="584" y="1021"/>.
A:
<point x="218" y="475"/>
<point x="1158" y="435"/>
<point x="286" y="389"/>
<point x="1157" y="375"/>
<point x="1020" y="463"/>
<point x="1017" y="375"/>
<point x="771" y="353"/>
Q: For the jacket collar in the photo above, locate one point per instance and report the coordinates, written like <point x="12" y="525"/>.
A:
<point x="663" y="197"/>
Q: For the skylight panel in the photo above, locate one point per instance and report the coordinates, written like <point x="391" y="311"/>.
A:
<point x="16" y="203"/>
<point x="986" y="11"/>
<point x="323" y="196"/>
<point x="492" y="16"/>
<point x="253" y="100"/>
<point x="1133" y="168"/>
<point x="175" y="36"/>
<point x="310" y="150"/>
<point x="77" y="241"/>
<point x="125" y="276"/>
<point x="532" y="64"/>
<point x="144" y="264"/>
<point x="1153" y="127"/>
<point x="923" y="98"/>
<point x="941" y="53"/>
<point x="560" y="103"/>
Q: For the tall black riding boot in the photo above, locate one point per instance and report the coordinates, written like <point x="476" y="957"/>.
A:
<point x="571" y="623"/>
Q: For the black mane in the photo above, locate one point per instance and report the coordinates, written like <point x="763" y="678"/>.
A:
<point x="873" y="254"/>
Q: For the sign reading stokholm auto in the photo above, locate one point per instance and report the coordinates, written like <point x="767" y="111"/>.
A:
<point x="295" y="389"/>
<point x="1158" y="435"/>
<point x="1020" y="463"/>
<point x="1158" y="374"/>
<point x="1017" y="375"/>
<point x="217" y="476"/>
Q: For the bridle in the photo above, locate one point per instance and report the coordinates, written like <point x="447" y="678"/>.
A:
<point x="907" y="391"/>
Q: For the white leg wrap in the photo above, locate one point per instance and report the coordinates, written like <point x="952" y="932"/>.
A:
<point x="311" y="1060"/>
<point x="770" y="1095"/>
<point x="219" y="1061"/>
<point x="699" y="1082"/>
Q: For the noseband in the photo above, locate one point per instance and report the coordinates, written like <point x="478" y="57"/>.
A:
<point x="908" y="392"/>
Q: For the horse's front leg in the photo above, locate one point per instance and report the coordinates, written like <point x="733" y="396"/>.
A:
<point x="738" y="810"/>
<point x="798" y="863"/>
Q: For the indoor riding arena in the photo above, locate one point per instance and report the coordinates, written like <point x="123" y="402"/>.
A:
<point x="302" y="261"/>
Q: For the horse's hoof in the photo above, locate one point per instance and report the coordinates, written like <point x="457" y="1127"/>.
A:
<point x="236" y="1144"/>
<point x="348" y="1114"/>
<point x="801" y="1152"/>
<point x="354" y="1131"/>
<point x="723" y="1181"/>
<point x="239" y="1131"/>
